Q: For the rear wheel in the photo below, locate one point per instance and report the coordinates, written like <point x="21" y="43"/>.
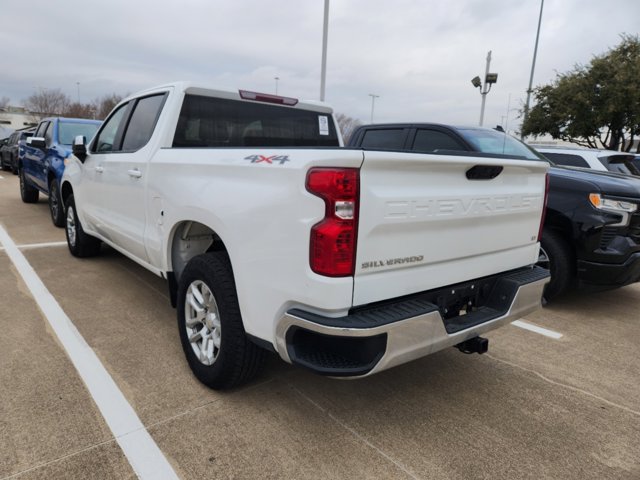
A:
<point x="557" y="257"/>
<point x="80" y="244"/>
<point x="55" y="204"/>
<point x="211" y="329"/>
<point x="28" y="193"/>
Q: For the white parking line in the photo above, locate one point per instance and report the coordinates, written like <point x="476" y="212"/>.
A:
<point x="141" y="451"/>
<point x="537" y="329"/>
<point x="30" y="246"/>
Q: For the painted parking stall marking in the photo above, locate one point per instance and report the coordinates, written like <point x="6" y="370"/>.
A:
<point x="141" y="451"/>
<point x="30" y="246"/>
<point x="534" y="328"/>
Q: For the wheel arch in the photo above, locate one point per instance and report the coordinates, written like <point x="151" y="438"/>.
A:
<point x="560" y="224"/>
<point x="188" y="239"/>
<point x="65" y="190"/>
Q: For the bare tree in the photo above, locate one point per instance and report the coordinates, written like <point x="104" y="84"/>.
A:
<point x="103" y="105"/>
<point x="4" y="102"/>
<point x="347" y="125"/>
<point x="47" y="102"/>
<point x="79" y="110"/>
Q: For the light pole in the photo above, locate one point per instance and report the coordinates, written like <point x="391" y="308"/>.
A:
<point x="533" y="66"/>
<point x="489" y="79"/>
<point x="325" y="34"/>
<point x="78" y="84"/>
<point x="276" y="79"/>
<point x="373" y="101"/>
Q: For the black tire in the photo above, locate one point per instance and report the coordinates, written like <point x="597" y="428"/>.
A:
<point x="55" y="204"/>
<point x="237" y="359"/>
<point x="557" y="256"/>
<point x="80" y="244"/>
<point x="28" y="193"/>
<point x="4" y="165"/>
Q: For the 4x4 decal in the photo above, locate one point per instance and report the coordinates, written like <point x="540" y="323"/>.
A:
<point x="282" y="159"/>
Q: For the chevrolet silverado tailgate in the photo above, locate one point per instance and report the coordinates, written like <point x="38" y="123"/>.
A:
<point x="429" y="220"/>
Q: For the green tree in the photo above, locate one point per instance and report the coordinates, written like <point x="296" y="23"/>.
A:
<point x="597" y="105"/>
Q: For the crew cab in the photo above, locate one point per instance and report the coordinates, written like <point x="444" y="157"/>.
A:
<point x="591" y="236"/>
<point x="42" y="160"/>
<point x="273" y="237"/>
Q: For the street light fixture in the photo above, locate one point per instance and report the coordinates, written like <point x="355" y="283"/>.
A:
<point x="489" y="79"/>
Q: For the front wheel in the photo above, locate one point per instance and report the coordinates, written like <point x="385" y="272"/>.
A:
<point x="557" y="257"/>
<point x="55" y="204"/>
<point x="28" y="193"/>
<point x="80" y="244"/>
<point x="211" y="329"/>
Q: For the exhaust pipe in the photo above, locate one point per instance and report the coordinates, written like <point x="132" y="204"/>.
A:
<point x="474" y="345"/>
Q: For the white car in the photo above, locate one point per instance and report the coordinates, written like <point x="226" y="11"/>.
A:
<point x="601" y="160"/>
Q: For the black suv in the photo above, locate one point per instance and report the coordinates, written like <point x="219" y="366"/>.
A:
<point x="9" y="152"/>
<point x="591" y="235"/>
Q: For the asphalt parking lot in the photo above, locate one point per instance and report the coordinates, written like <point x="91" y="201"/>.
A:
<point x="561" y="402"/>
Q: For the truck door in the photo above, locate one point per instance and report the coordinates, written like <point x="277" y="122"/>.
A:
<point x="120" y="181"/>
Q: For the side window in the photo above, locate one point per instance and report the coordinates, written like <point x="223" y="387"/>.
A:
<point x="566" y="159"/>
<point x="390" y="139"/>
<point x="143" y="121"/>
<point x="48" y="135"/>
<point x="104" y="142"/>
<point x="41" y="129"/>
<point x="432" y="140"/>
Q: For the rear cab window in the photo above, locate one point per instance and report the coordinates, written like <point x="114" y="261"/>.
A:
<point x="219" y="122"/>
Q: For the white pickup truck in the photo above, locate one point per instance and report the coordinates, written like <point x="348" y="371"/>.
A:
<point x="273" y="237"/>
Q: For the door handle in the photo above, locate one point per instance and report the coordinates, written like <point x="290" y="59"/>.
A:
<point x="135" y="173"/>
<point x="99" y="169"/>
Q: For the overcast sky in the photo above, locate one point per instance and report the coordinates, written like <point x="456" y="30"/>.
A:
<point x="417" y="55"/>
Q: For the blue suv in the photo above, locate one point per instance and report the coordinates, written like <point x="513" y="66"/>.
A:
<point x="41" y="163"/>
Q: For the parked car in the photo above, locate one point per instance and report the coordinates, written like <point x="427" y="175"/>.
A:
<point x="3" y="142"/>
<point x="600" y="160"/>
<point x="42" y="162"/>
<point x="591" y="235"/>
<point x="10" y="151"/>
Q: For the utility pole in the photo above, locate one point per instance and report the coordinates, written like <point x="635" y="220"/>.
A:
<point x="373" y="101"/>
<point x="484" y="91"/>
<point x="533" y="66"/>
<point x="325" y="34"/>
<point x="276" y="79"/>
<point x="489" y="79"/>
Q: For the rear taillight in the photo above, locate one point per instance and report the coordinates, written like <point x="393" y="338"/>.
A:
<point x="544" y="206"/>
<point x="332" y="251"/>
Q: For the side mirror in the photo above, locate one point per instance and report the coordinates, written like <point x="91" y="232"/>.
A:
<point x="37" y="142"/>
<point x="79" y="147"/>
